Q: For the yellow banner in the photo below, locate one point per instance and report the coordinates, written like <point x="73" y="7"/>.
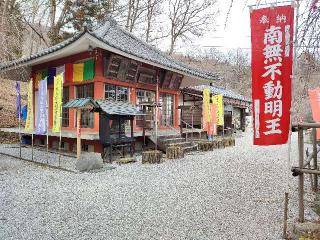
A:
<point x="218" y="99"/>
<point x="29" y="120"/>
<point x="38" y="79"/>
<point x="78" y="72"/>
<point x="206" y="106"/>
<point x="57" y="103"/>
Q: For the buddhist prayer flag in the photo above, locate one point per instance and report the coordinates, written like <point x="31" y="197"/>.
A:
<point x="218" y="100"/>
<point x="88" y="73"/>
<point x="271" y="40"/>
<point x="18" y="100"/>
<point x="68" y="74"/>
<point x="42" y="109"/>
<point x="60" y="70"/>
<point x="314" y="95"/>
<point x="57" y="103"/>
<point x="51" y="75"/>
<point x="38" y="79"/>
<point x="78" y="72"/>
<point x="44" y="73"/>
<point x="29" y="120"/>
<point x="83" y="71"/>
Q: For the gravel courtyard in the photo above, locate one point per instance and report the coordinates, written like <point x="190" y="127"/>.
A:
<point x="231" y="193"/>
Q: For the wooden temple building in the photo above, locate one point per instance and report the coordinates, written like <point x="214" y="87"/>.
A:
<point x="236" y="107"/>
<point x="110" y="66"/>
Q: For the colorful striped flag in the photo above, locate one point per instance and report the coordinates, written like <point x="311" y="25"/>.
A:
<point x="88" y="73"/>
<point x="83" y="71"/>
<point x="78" y="72"/>
<point x="68" y="74"/>
<point x="51" y="75"/>
<point x="29" y="120"/>
<point x="38" y="79"/>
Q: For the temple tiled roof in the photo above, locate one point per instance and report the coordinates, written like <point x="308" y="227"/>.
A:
<point x="80" y="103"/>
<point x="111" y="34"/>
<point x="107" y="106"/>
<point x="118" y="108"/>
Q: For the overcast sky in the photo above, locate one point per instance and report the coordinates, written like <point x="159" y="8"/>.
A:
<point x="237" y="32"/>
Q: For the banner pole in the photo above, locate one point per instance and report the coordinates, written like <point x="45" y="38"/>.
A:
<point x="156" y="114"/>
<point x="47" y="125"/>
<point x="32" y="145"/>
<point x="32" y="121"/>
<point x="60" y="137"/>
<point x="20" y="129"/>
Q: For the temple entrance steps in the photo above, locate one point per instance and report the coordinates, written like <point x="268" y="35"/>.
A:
<point x="164" y="142"/>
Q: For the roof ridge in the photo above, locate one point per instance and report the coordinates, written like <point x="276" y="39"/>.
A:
<point x="114" y="23"/>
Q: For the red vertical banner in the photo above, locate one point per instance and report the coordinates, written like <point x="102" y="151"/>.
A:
<point x="314" y="95"/>
<point x="271" y="40"/>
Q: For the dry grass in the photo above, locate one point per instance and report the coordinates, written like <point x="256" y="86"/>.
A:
<point x="8" y="104"/>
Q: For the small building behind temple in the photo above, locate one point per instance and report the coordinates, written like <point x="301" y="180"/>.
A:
<point x="236" y="107"/>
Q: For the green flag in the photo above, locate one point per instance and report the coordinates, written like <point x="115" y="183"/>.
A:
<point x="88" y="72"/>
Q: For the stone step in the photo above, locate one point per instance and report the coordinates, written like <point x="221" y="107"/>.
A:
<point x="172" y="140"/>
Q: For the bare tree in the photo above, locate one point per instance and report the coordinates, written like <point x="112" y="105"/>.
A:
<point x="135" y="10"/>
<point x="189" y="17"/>
<point x="152" y="13"/>
<point x="10" y="30"/>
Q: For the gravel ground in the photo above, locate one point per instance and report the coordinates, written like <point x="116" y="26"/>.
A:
<point x="40" y="155"/>
<point x="231" y="193"/>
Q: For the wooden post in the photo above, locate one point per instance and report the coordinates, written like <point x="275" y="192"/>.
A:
<point x="156" y="120"/>
<point x="181" y="116"/>
<point x="20" y="130"/>
<point x="144" y="110"/>
<point x="285" y="220"/>
<point x="301" y="176"/>
<point x="78" y="133"/>
<point x="60" y="134"/>
<point x="132" y="143"/>
<point x="315" y="157"/>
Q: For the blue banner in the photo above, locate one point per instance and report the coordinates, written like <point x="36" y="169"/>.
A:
<point x="18" y="100"/>
<point x="42" y="110"/>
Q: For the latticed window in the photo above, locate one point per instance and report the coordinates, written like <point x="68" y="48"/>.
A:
<point x="116" y="93"/>
<point x="87" y="117"/>
<point x="167" y="106"/>
<point x="84" y="91"/>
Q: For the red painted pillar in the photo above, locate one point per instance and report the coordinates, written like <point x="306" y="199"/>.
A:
<point x="98" y="52"/>
<point x="98" y="83"/>
<point x="98" y="95"/>
<point x="176" y="111"/>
